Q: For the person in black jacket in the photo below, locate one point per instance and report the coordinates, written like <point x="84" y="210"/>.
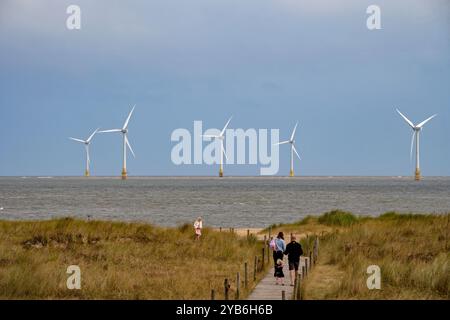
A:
<point x="293" y="251"/>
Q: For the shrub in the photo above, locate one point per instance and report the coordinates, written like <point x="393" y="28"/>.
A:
<point x="338" y="218"/>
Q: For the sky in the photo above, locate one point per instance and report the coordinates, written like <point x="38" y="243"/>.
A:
<point x="269" y="63"/>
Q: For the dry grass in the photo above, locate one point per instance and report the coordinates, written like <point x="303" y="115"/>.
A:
<point x="119" y="260"/>
<point x="411" y="250"/>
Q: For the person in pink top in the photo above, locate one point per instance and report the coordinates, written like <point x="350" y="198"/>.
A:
<point x="198" y="225"/>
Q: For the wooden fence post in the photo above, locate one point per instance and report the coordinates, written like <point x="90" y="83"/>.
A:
<point x="303" y="272"/>
<point x="238" y="285"/>
<point x="213" y="294"/>
<point x="299" y="287"/>
<point x="254" y="269"/>
<point x="310" y="260"/>
<point x="306" y="266"/>
<point x="316" y="249"/>
<point x="263" y="260"/>
<point x="283" y="295"/>
<point x="294" y="293"/>
<point x="245" y="275"/>
<point x="248" y="233"/>
<point x="226" y="288"/>
<point x="220" y="229"/>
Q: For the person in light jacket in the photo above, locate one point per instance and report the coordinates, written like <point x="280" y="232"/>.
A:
<point x="279" y="248"/>
<point x="198" y="225"/>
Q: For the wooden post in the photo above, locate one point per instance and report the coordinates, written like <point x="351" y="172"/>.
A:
<point x="306" y="266"/>
<point x="263" y="260"/>
<point x="213" y="294"/>
<point x="238" y="285"/>
<point x="283" y="295"/>
<point x="226" y="288"/>
<point x="299" y="287"/>
<point x="254" y="269"/>
<point x="307" y="243"/>
<point x="294" y="294"/>
<point x="303" y="272"/>
<point x="291" y="236"/>
<point x="310" y="260"/>
<point x="316" y="249"/>
<point x="220" y="229"/>
<point x="248" y="233"/>
<point x="245" y="275"/>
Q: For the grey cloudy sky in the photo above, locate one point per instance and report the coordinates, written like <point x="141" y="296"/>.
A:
<point x="268" y="63"/>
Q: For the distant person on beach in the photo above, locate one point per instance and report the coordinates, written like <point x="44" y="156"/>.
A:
<point x="198" y="225"/>
<point x="293" y="251"/>
<point x="278" y="246"/>
<point x="278" y="274"/>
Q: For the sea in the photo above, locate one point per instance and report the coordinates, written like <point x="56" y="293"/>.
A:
<point x="237" y="202"/>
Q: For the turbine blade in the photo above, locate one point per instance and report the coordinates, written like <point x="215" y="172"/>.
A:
<point x="128" y="118"/>
<point x="293" y="131"/>
<point x="412" y="145"/>
<point x="224" y="153"/>
<point x="225" y="128"/>
<point x="129" y="146"/>
<point x="92" y="135"/>
<point x="77" y="140"/>
<point x="295" y="150"/>
<point x="420" y="125"/>
<point x="284" y="142"/>
<point x="112" y="130"/>
<point x="406" y="119"/>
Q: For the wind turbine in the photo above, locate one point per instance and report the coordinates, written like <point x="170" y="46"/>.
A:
<point x="126" y="143"/>
<point x="416" y="131"/>
<point x="86" y="142"/>
<point x="293" y="150"/>
<point x="220" y="137"/>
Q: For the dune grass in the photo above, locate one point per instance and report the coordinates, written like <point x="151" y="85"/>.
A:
<point x="411" y="250"/>
<point x="119" y="260"/>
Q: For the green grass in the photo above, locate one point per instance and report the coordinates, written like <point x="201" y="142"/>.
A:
<point x="412" y="251"/>
<point x="119" y="260"/>
<point x="338" y="218"/>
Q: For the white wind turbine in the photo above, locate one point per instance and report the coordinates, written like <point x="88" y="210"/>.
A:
<point x="293" y="150"/>
<point x="126" y="143"/>
<point x="86" y="143"/>
<point x="416" y="132"/>
<point x="220" y="137"/>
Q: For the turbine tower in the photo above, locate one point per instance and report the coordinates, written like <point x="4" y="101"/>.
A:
<point x="86" y="143"/>
<point x="416" y="132"/>
<point x="293" y="150"/>
<point x="220" y="137"/>
<point x="126" y="143"/>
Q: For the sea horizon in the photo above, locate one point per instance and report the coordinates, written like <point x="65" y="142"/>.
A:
<point x="232" y="201"/>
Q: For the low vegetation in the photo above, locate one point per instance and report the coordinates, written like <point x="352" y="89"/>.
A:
<point x="411" y="250"/>
<point x="119" y="260"/>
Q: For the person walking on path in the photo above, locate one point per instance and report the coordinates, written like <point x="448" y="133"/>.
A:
<point x="278" y="272"/>
<point x="198" y="225"/>
<point x="278" y="246"/>
<point x="293" y="251"/>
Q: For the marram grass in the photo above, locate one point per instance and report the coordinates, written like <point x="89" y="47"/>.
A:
<point x="412" y="251"/>
<point x="119" y="260"/>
